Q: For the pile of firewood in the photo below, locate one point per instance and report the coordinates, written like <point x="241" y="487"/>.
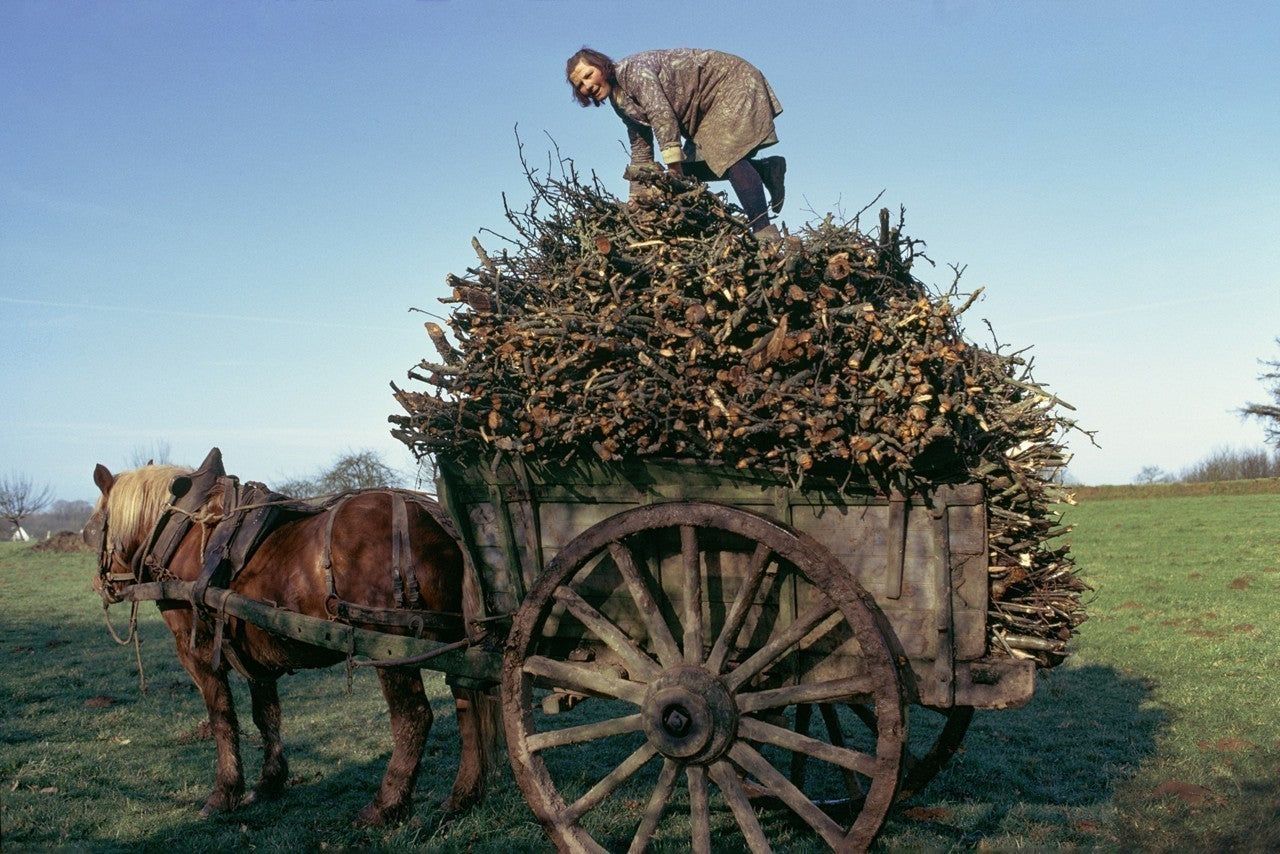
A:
<point x="663" y="328"/>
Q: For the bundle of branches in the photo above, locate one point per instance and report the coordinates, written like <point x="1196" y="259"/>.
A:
<point x="663" y="328"/>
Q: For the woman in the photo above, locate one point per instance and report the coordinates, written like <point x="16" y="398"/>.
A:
<point x="720" y="105"/>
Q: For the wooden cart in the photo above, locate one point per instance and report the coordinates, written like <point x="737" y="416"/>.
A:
<point x="731" y="630"/>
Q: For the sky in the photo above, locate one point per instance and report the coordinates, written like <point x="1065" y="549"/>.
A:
<point x="215" y="218"/>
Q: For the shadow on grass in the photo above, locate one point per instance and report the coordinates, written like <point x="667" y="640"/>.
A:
<point x="1253" y="812"/>
<point x="78" y="735"/>
<point x="72" y="708"/>
<point x="1085" y="733"/>
<point x="1237" y="808"/>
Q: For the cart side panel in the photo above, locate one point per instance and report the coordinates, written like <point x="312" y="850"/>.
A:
<point x="967" y="532"/>
<point x="482" y="520"/>
<point x="858" y="537"/>
<point x="925" y="566"/>
<point x="491" y="530"/>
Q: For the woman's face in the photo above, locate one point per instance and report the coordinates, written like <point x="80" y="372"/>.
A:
<point x="588" y="80"/>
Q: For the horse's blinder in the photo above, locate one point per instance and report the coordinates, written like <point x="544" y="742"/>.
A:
<point x="97" y="534"/>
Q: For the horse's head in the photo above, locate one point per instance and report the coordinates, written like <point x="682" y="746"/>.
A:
<point x="122" y="519"/>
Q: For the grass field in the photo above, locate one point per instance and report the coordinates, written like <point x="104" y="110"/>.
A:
<point x="1160" y="733"/>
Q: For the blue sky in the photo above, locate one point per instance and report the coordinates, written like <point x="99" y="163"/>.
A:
<point x="214" y="217"/>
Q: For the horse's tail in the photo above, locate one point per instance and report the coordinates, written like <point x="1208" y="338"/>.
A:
<point x="487" y="704"/>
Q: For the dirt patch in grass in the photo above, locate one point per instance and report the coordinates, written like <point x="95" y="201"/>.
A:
<point x="1225" y="745"/>
<point x="203" y="732"/>
<point x="1188" y="793"/>
<point x="63" y="542"/>
<point x="100" y="701"/>
<point x="1239" y="584"/>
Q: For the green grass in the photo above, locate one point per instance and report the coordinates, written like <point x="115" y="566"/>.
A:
<point x="1160" y="733"/>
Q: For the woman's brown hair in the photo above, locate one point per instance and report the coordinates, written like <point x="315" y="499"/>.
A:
<point x="596" y="60"/>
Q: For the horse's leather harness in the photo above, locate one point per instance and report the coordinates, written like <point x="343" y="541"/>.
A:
<point x="250" y="512"/>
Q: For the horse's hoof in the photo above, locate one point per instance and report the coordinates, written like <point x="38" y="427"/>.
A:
<point x="265" y="791"/>
<point x="455" y="804"/>
<point x="218" y="804"/>
<point x="377" y="816"/>
<point x="262" y="794"/>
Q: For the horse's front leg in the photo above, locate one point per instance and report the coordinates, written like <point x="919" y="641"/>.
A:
<point x="266" y="715"/>
<point x="411" y="720"/>
<point x="228" y="787"/>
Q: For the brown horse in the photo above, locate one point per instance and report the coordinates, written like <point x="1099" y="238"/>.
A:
<point x="304" y="563"/>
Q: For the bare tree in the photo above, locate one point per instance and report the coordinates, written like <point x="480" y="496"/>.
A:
<point x="61" y="515"/>
<point x="353" y="470"/>
<point x="1269" y="412"/>
<point x="156" y="451"/>
<point x="358" y="470"/>
<point x="425" y="477"/>
<point x="19" y="498"/>
<point x="1151" y="474"/>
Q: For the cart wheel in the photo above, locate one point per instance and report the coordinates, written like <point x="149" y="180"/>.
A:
<point x="935" y="737"/>
<point x="704" y="630"/>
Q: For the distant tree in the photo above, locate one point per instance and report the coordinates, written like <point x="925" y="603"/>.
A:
<point x="1151" y="474"/>
<point x="296" y="487"/>
<point x="353" y="470"/>
<point x="19" y="498"/>
<point x="358" y="470"/>
<point x="425" y="477"/>
<point x="1233" y="464"/>
<point x="157" y="451"/>
<point x="60" y="516"/>
<point x="1269" y="412"/>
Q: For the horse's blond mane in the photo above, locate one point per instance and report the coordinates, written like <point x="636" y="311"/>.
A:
<point x="135" y="501"/>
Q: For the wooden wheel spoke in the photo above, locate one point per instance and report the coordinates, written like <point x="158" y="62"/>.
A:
<point x="843" y="757"/>
<point x="691" y="588"/>
<point x="819" y="619"/>
<point x="832" y="722"/>
<point x="584" y="679"/>
<point x="741" y="606"/>
<point x="867" y="715"/>
<point x="699" y="810"/>
<point x="827" y="691"/>
<point x="638" y="664"/>
<point x="804" y="713"/>
<point x="753" y="763"/>
<point x="726" y="777"/>
<point x="611" y="781"/>
<point x="586" y="732"/>
<point x="657" y="805"/>
<point x="835" y="735"/>
<point x="664" y="643"/>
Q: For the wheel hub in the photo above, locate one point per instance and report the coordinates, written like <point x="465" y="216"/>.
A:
<point x="689" y="715"/>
